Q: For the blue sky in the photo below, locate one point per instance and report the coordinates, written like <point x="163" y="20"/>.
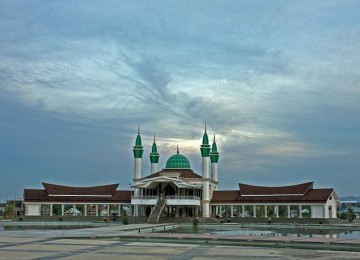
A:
<point x="276" y="81"/>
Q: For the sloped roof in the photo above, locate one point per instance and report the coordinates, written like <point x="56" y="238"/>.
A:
<point x="59" y="190"/>
<point x="37" y="195"/>
<point x="298" y="189"/>
<point x="184" y="173"/>
<point x="234" y="196"/>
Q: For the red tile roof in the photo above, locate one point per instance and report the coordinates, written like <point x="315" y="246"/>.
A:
<point x="59" y="190"/>
<point x="250" y="190"/>
<point x="234" y="196"/>
<point x="184" y="173"/>
<point x="36" y="195"/>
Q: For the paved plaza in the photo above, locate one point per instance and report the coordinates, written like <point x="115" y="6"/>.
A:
<point x="50" y="248"/>
<point x="127" y="242"/>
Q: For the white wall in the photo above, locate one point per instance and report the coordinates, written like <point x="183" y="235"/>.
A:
<point x="32" y="210"/>
<point x="317" y="211"/>
<point x="331" y="203"/>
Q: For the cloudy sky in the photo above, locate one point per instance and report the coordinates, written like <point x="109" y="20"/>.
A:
<point x="278" y="82"/>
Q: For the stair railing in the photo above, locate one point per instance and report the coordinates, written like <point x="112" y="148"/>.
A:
<point x="152" y="212"/>
<point x="161" y="209"/>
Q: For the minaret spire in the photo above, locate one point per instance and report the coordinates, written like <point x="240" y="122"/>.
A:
<point x="177" y="149"/>
<point x="154" y="157"/>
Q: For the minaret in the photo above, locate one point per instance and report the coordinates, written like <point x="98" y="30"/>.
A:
<point x="205" y="154"/>
<point x="154" y="157"/>
<point x="138" y="153"/>
<point x="214" y="158"/>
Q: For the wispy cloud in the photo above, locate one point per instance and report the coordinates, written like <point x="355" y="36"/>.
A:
<point x="272" y="80"/>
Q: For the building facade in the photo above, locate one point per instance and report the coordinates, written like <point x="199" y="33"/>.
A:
<point x="177" y="191"/>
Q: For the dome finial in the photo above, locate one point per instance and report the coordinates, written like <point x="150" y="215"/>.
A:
<point x="138" y="129"/>
<point x="205" y="126"/>
<point x="154" y="138"/>
<point x="177" y="149"/>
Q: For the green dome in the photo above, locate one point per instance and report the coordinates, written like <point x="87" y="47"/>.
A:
<point x="177" y="161"/>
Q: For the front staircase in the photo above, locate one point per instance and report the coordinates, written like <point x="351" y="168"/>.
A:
<point x="155" y="214"/>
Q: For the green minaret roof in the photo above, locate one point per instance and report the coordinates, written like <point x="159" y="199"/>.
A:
<point x="138" y="138"/>
<point x="154" y="147"/>
<point x="138" y="149"/>
<point x="205" y="147"/>
<point x="205" y="137"/>
<point x="214" y="155"/>
<point x="154" y="155"/>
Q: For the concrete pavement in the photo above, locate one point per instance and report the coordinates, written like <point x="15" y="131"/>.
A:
<point x="141" y="241"/>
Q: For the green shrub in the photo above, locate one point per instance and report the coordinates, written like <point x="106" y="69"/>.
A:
<point x="195" y="222"/>
<point x="125" y="220"/>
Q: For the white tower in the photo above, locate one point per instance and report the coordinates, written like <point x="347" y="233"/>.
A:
<point x="154" y="157"/>
<point x="138" y="153"/>
<point x="205" y="154"/>
<point x="214" y="158"/>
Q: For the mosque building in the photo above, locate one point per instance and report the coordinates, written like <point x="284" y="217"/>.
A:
<point x="177" y="191"/>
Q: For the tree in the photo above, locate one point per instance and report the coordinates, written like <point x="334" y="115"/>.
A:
<point x="9" y="211"/>
<point x="350" y="216"/>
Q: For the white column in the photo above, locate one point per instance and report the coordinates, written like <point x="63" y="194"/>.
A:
<point x="97" y="210"/>
<point x="254" y="208"/>
<point x="205" y="167"/>
<point x="137" y="168"/>
<point x="214" y="170"/>
<point x="300" y="213"/>
<point x="136" y="207"/>
<point x="206" y="200"/>
<point x="51" y="210"/>
<point x="277" y="210"/>
<point x="85" y="209"/>
<point x="62" y="209"/>
<point x="265" y="210"/>
<point x="288" y="211"/>
<point x="154" y="168"/>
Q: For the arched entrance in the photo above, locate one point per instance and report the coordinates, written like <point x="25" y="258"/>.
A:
<point x="169" y="190"/>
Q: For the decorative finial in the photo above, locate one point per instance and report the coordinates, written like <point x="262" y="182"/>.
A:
<point x="138" y="129"/>
<point x="154" y="138"/>
<point x="177" y="148"/>
<point x="214" y="138"/>
<point x="205" y="126"/>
